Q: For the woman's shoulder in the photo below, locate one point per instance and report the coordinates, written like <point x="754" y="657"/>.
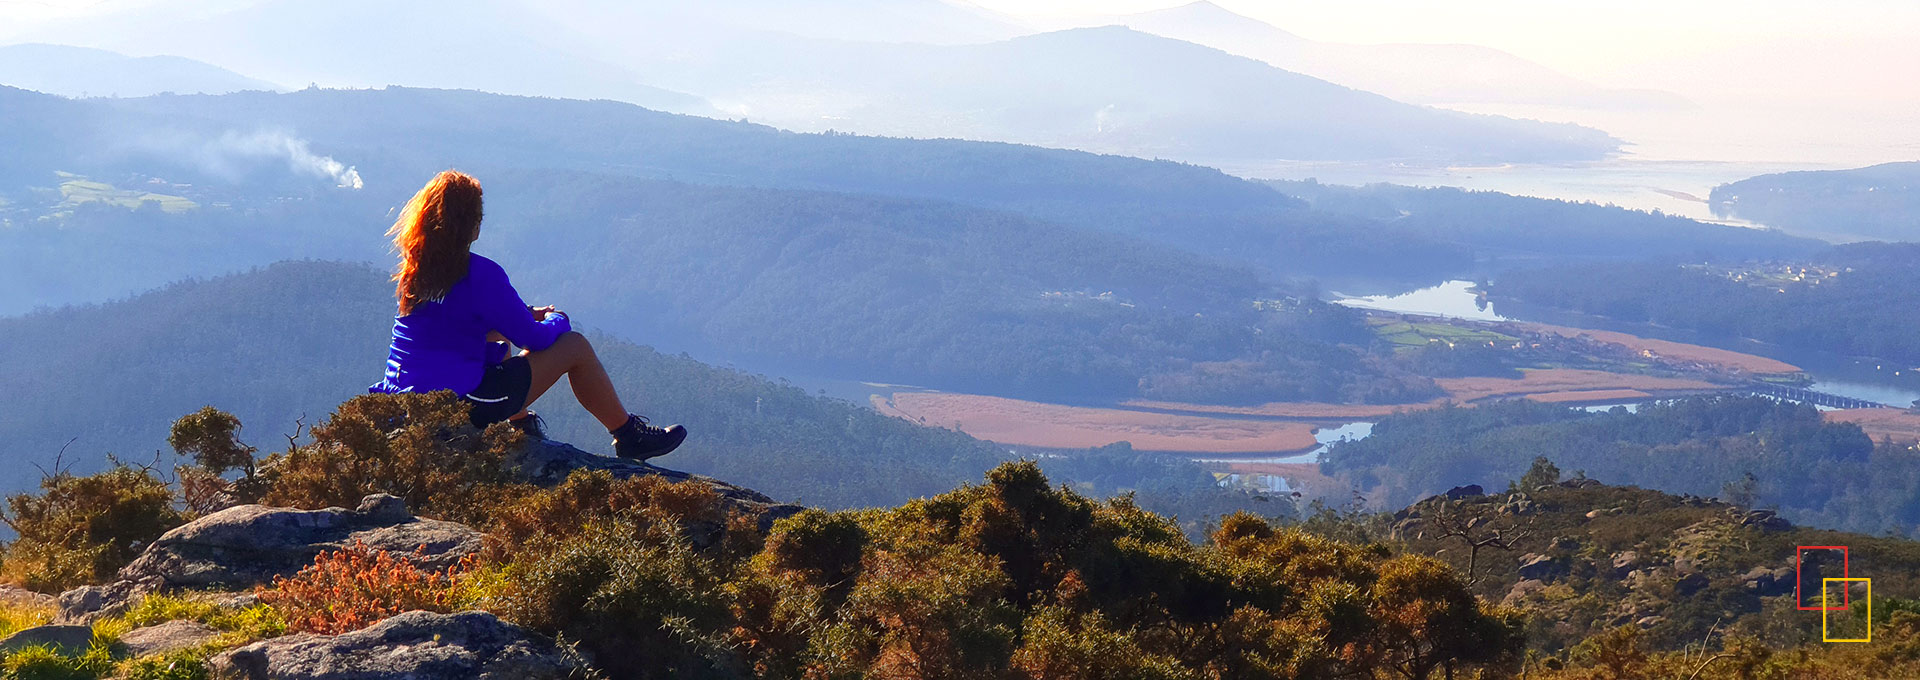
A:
<point x="478" y="266"/>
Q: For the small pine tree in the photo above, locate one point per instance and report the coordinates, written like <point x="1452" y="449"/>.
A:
<point x="1542" y="473"/>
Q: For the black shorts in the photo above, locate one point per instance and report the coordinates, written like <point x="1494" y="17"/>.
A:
<point x="502" y="391"/>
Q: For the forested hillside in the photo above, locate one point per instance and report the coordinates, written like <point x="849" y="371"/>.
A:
<point x="1762" y="452"/>
<point x="929" y="293"/>
<point x="279" y="347"/>
<point x="1851" y="300"/>
<point x="1521" y="230"/>
<point x="1881" y="201"/>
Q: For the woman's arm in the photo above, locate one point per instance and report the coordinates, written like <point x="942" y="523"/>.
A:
<point x="502" y="310"/>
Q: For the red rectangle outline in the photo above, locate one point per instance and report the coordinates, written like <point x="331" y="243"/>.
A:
<point x="1846" y="594"/>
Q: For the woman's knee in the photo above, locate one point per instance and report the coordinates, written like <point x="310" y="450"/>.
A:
<point x="572" y="342"/>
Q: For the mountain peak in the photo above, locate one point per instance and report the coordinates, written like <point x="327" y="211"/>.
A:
<point x="1204" y="15"/>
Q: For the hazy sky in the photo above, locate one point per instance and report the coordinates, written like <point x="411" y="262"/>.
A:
<point x="1844" y="48"/>
<point x="1621" y="43"/>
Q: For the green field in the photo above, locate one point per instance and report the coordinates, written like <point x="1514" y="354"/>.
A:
<point x="1407" y="335"/>
<point x="78" y="191"/>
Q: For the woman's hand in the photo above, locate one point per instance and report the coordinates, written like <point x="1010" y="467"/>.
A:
<point x="540" y="313"/>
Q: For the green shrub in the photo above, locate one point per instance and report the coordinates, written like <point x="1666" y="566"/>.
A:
<point x="614" y="595"/>
<point x="46" y="663"/>
<point x="183" y="665"/>
<point x="81" y="530"/>
<point x="211" y="438"/>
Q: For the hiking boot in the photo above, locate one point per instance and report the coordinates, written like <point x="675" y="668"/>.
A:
<point x="638" y="441"/>
<point x="531" y="426"/>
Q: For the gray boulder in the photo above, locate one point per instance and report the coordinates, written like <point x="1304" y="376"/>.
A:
<point x="250" y="544"/>
<point x="1521" y="591"/>
<point x="167" y="637"/>
<point x="1763" y="581"/>
<point x="1540" y="567"/>
<point x="21" y="597"/>
<point x="411" y="646"/>
<point x="1624" y="562"/>
<point x="1689" y="584"/>
<point x="67" y="639"/>
<point x="86" y="604"/>
<point x="1765" y="520"/>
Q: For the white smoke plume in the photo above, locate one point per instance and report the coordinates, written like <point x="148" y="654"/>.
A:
<point x="294" y="150"/>
<point x="234" y="155"/>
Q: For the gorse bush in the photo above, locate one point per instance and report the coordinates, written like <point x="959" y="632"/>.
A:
<point x="355" y="587"/>
<point x="415" y="446"/>
<point x="211" y="438"/>
<point x="1012" y="579"/>
<point x="648" y="505"/>
<point x="82" y="529"/>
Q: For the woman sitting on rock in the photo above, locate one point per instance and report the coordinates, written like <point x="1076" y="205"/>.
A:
<point x="458" y="312"/>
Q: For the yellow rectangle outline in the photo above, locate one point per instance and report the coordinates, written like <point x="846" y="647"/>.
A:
<point x="1823" y="609"/>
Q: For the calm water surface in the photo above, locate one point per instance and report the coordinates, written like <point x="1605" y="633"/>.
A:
<point x="1889" y="385"/>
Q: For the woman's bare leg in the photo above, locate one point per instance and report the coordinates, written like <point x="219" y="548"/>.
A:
<point x="572" y="356"/>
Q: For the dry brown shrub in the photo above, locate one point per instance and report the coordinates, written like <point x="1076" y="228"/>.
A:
<point x="356" y="587"/>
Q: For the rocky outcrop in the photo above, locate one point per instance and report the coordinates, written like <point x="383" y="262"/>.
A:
<point x="1624" y="562"/>
<point x="1689" y="584"/>
<point x="1764" y="582"/>
<point x="548" y="463"/>
<point x="1541" y="567"/>
<point x="87" y="604"/>
<point x="167" y="637"/>
<point x="67" y="639"/>
<point x="250" y="544"/>
<point x="1765" y="520"/>
<point x="1519" y="593"/>
<point x="411" y="646"/>
<point x="241" y="547"/>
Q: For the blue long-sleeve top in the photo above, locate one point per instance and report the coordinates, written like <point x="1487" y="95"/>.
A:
<point x="443" y="344"/>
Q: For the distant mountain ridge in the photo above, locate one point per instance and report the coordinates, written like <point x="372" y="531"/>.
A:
<point x="1422" y="73"/>
<point x="1109" y="90"/>
<point x="84" y="72"/>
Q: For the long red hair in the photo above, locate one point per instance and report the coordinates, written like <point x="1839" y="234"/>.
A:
<point x="433" y="235"/>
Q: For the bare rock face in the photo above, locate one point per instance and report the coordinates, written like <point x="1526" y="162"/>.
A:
<point x="1763" y="581"/>
<point x="1534" y="566"/>
<point x="1523" y="590"/>
<point x="167" y="637"/>
<point x="1624" y="562"/>
<point x="411" y="646"/>
<point x="250" y="544"/>
<point x="86" y="604"/>
<point x="21" y="597"/>
<point x="67" y="639"/>
<point x="548" y="463"/>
